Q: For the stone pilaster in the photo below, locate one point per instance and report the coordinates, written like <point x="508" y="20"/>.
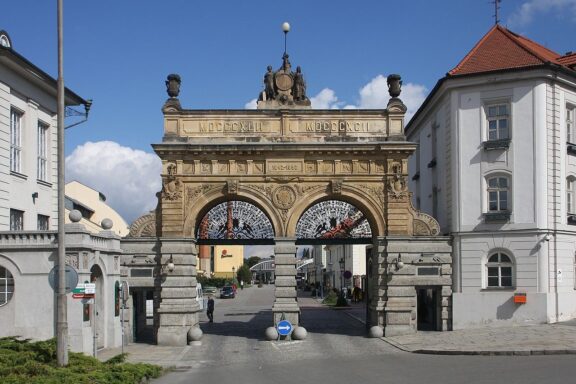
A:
<point x="285" y="302"/>
<point x="376" y="289"/>
<point x="176" y="291"/>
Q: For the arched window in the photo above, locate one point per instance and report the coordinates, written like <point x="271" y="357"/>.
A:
<point x="570" y="196"/>
<point x="6" y="286"/>
<point x="498" y="194"/>
<point x="499" y="271"/>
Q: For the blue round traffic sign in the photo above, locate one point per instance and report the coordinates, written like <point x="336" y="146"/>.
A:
<point x="284" y="327"/>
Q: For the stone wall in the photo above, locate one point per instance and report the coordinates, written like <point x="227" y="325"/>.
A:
<point x="400" y="266"/>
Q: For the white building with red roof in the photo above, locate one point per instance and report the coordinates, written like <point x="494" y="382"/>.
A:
<point x="496" y="165"/>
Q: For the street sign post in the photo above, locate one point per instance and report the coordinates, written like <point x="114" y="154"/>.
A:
<point x="284" y="327"/>
<point x="71" y="278"/>
<point x="84" y="291"/>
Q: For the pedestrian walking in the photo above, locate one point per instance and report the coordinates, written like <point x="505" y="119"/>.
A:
<point x="241" y="284"/>
<point x="210" y="309"/>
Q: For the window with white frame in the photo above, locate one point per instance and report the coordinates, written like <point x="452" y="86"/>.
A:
<point x="15" y="140"/>
<point x="6" y="286"/>
<point x="43" y="222"/>
<point x="16" y="220"/>
<point x="498" y="121"/>
<point x="570" y="206"/>
<point x="570" y="127"/>
<point x="499" y="271"/>
<point x="42" y="166"/>
<point x="498" y="192"/>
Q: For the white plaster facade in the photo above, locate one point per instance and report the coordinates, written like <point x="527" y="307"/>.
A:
<point x="450" y="173"/>
<point x="28" y="246"/>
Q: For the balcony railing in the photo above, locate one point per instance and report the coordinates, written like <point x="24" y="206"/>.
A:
<point x="497" y="216"/>
<point x="496" y="144"/>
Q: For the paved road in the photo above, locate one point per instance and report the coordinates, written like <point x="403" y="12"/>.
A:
<point x="233" y="350"/>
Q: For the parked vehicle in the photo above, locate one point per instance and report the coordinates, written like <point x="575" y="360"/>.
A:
<point x="210" y="290"/>
<point x="227" y="292"/>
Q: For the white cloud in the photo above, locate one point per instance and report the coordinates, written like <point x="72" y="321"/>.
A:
<point x="252" y="104"/>
<point x="529" y="9"/>
<point x="129" y="178"/>
<point x="374" y="94"/>
<point x="325" y="99"/>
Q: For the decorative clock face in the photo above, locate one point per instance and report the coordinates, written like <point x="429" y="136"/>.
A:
<point x="333" y="219"/>
<point x="284" y="81"/>
<point x="235" y="220"/>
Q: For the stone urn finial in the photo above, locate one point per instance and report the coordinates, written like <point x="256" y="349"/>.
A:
<point x="394" y="85"/>
<point x="173" y="85"/>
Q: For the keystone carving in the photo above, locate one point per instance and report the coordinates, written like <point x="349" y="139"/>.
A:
<point x="232" y="187"/>
<point x="336" y="186"/>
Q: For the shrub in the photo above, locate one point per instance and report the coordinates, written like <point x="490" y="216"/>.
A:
<point x="22" y="362"/>
<point x="331" y="298"/>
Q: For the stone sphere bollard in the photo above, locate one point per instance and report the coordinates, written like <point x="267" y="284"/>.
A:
<point x="75" y="216"/>
<point x="299" y="333"/>
<point x="271" y="334"/>
<point x="106" y="224"/>
<point x="194" y="334"/>
<point x="376" y="331"/>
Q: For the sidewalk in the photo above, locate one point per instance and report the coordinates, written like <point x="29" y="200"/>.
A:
<point x="152" y="354"/>
<point x="548" y="339"/>
<point x="544" y="339"/>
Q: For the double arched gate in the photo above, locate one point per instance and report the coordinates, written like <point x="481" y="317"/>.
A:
<point x="285" y="174"/>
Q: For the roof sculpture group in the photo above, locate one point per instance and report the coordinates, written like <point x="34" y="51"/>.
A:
<point x="284" y="87"/>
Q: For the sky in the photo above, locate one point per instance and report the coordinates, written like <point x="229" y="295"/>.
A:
<point x="118" y="53"/>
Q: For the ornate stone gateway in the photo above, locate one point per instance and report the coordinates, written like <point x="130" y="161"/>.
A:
<point x="283" y="174"/>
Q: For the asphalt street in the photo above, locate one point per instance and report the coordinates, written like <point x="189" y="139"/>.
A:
<point x="233" y="350"/>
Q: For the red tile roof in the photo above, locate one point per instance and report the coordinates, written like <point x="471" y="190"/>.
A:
<point x="502" y="49"/>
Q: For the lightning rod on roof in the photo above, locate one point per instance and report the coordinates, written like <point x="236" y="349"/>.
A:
<point x="496" y="9"/>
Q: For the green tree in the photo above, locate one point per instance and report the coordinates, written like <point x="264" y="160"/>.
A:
<point x="244" y="273"/>
<point x="252" y="261"/>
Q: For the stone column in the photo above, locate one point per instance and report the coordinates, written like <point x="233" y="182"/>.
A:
<point x="176" y="291"/>
<point x="377" y="284"/>
<point x="285" y="301"/>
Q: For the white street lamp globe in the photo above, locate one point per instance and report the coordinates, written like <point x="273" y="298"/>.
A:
<point x="286" y="27"/>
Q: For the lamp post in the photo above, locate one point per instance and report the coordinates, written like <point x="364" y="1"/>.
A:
<point x="285" y="29"/>
<point x="233" y="274"/>
<point x="342" y="263"/>
<point x="62" y="309"/>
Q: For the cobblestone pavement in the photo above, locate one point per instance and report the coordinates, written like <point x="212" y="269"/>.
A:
<point x="237" y="336"/>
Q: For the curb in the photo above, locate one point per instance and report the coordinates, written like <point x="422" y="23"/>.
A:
<point x="484" y="352"/>
<point x="535" y="352"/>
<point x="395" y="344"/>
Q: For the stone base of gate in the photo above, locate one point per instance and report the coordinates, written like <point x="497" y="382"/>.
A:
<point x="399" y="321"/>
<point x="285" y="305"/>
<point x="174" y="325"/>
<point x="286" y="311"/>
<point x="178" y="309"/>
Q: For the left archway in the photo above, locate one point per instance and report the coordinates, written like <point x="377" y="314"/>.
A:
<point x="234" y="220"/>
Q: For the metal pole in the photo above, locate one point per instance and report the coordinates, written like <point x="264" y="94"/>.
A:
<point x="122" y="324"/>
<point x="61" y="322"/>
<point x="94" y="331"/>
